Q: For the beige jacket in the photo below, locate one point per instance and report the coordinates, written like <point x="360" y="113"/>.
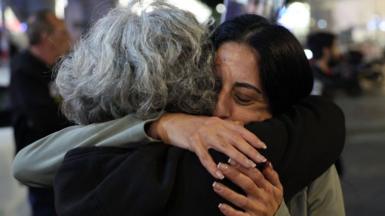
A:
<point x="323" y="197"/>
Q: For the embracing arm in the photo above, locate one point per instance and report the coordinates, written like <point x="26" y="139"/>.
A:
<point x="303" y="142"/>
<point x="36" y="164"/>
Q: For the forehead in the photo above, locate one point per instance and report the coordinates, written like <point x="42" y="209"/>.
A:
<point x="238" y="60"/>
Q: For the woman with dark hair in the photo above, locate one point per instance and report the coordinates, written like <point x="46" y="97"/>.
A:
<point x="264" y="72"/>
<point x="268" y="62"/>
<point x="159" y="179"/>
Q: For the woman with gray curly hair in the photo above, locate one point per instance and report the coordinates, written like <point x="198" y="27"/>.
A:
<point x="167" y="49"/>
<point x="141" y="64"/>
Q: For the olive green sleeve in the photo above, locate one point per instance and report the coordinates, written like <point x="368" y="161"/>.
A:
<point x="325" y="195"/>
<point x="283" y="210"/>
<point x="36" y="164"/>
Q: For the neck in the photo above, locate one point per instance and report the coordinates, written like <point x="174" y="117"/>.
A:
<point x="42" y="54"/>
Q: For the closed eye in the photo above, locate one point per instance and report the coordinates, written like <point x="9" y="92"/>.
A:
<point x="242" y="100"/>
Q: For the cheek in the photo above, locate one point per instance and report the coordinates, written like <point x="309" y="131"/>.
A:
<point x="250" y="114"/>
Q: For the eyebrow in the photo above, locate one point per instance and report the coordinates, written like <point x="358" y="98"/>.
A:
<point x="247" y="85"/>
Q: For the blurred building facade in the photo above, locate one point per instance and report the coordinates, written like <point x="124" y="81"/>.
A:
<point x="359" y="22"/>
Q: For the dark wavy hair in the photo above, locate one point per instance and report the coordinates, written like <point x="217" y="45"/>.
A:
<point x="285" y="73"/>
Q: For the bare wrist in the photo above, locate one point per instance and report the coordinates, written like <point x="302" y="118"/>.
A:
<point x="156" y="129"/>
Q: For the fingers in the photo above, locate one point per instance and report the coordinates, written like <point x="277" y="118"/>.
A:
<point x="206" y="159"/>
<point x="231" y="196"/>
<point x="254" y="174"/>
<point x="230" y="211"/>
<point x="240" y="179"/>
<point x="246" y="134"/>
<point x="245" y="148"/>
<point x="262" y="200"/>
<point x="228" y="140"/>
<point x="269" y="177"/>
<point x="223" y="145"/>
<point x="238" y="123"/>
<point x="272" y="176"/>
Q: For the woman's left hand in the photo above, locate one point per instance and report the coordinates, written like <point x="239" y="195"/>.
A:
<point x="264" y="191"/>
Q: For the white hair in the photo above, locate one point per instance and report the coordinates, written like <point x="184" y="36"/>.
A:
<point x="142" y="63"/>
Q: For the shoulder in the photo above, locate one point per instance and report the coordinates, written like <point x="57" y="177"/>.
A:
<point x="321" y="103"/>
<point x="327" y="185"/>
<point x="329" y="176"/>
<point x="26" y="62"/>
<point x="326" y="116"/>
<point x="22" y="57"/>
<point x="322" y="197"/>
<point x="325" y="194"/>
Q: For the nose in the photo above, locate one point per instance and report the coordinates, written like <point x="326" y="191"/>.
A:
<point x="223" y="106"/>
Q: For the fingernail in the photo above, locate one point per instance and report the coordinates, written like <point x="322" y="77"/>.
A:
<point x="250" y="163"/>
<point x="216" y="186"/>
<point x="219" y="175"/>
<point x="261" y="158"/>
<point x="264" y="146"/>
<point x="222" y="207"/>
<point x="270" y="164"/>
<point x="222" y="166"/>
<point x="232" y="162"/>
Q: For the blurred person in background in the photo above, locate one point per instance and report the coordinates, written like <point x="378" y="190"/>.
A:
<point x="350" y="70"/>
<point x="326" y="55"/>
<point x="35" y="103"/>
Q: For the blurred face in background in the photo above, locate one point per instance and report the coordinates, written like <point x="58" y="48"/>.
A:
<point x="241" y="97"/>
<point x="59" y="39"/>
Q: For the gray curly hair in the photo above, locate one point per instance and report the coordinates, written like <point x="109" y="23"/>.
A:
<point x="142" y="63"/>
